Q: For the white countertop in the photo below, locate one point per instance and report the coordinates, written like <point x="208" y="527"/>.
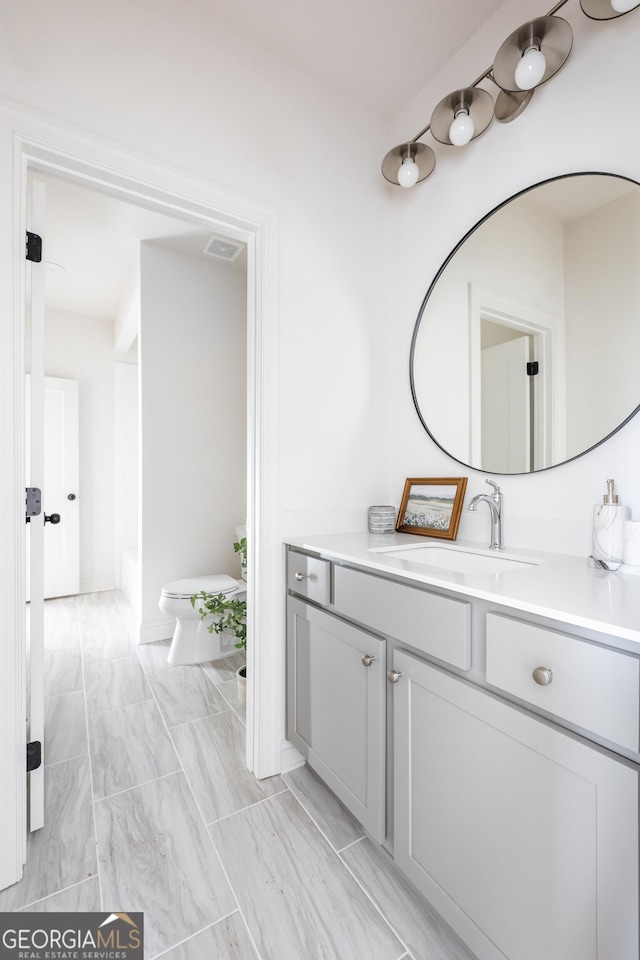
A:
<point x="555" y="585"/>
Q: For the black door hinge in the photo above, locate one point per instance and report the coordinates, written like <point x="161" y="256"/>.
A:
<point x="532" y="368"/>
<point x="34" y="755"/>
<point x="34" y="247"/>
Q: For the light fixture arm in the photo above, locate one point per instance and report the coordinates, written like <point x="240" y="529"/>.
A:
<point x="557" y="7"/>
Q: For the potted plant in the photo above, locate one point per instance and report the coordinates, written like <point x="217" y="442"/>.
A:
<point x="228" y="614"/>
<point x="240" y="546"/>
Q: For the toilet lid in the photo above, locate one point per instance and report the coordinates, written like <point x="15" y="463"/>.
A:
<point x="217" y="583"/>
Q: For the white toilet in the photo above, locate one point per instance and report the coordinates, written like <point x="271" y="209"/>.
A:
<point x="192" y="642"/>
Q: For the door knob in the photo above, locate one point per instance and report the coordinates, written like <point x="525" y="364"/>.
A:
<point x="393" y="676"/>
<point x="52" y="518"/>
<point x="542" y="676"/>
<point x="301" y="576"/>
<point x="368" y="659"/>
<point x="71" y="496"/>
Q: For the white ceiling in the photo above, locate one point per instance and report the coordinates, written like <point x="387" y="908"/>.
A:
<point x="96" y="239"/>
<point x="379" y="51"/>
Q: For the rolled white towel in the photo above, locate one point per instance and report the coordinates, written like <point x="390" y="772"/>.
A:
<point x="631" y="553"/>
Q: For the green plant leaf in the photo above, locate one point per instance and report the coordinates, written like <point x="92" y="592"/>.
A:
<point x="228" y="614"/>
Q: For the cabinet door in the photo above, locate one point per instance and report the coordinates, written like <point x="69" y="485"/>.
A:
<point x="336" y="714"/>
<point x="524" y="837"/>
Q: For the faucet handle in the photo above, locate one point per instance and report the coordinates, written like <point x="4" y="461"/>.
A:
<point x="496" y="488"/>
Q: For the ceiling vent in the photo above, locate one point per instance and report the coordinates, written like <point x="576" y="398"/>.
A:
<point x="222" y="248"/>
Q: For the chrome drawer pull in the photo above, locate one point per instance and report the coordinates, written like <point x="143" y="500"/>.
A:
<point x="393" y="676"/>
<point x="542" y="676"/>
<point x="368" y="660"/>
<point x="301" y="576"/>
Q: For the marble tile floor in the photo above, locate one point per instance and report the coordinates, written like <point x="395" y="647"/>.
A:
<point x="149" y="807"/>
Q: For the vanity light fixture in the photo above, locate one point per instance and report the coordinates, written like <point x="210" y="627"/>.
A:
<point x="530" y="56"/>
<point x="398" y="165"/>
<point x="462" y="116"/>
<point x="533" y="53"/>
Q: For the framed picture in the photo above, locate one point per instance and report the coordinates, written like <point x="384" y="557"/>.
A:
<point x="432" y="506"/>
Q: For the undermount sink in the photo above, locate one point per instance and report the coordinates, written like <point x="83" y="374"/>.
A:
<point x="456" y="559"/>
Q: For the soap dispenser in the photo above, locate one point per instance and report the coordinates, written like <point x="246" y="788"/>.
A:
<point x="608" y="527"/>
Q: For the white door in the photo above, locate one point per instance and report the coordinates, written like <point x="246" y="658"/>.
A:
<point x="60" y="491"/>
<point x="35" y="529"/>
<point x="60" y="494"/>
<point x="506" y="426"/>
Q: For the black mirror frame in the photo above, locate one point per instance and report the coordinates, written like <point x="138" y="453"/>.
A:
<point x="515" y="196"/>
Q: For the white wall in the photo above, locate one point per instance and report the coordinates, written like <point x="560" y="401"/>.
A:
<point x="195" y="94"/>
<point x="575" y="122"/>
<point x="126" y="491"/>
<point x="603" y="333"/>
<point x="193" y="351"/>
<point x="81" y="348"/>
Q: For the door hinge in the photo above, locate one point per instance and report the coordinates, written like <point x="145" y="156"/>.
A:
<point x="34" y="247"/>
<point x="34" y="755"/>
<point x="532" y="368"/>
<point x="33" y="502"/>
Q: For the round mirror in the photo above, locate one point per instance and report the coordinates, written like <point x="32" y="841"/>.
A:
<point x="526" y="348"/>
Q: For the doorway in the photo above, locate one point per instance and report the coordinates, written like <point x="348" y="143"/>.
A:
<point x="516" y="375"/>
<point x="137" y="288"/>
<point x="147" y="313"/>
<point x="116" y="173"/>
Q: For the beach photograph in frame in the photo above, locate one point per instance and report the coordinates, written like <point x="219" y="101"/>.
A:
<point x="431" y="506"/>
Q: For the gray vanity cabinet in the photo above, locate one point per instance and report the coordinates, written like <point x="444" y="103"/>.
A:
<point x="336" y="707"/>
<point x="512" y="754"/>
<point x="523" y="836"/>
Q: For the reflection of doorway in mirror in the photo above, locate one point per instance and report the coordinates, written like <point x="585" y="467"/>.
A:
<point x="517" y="419"/>
<point x="508" y="407"/>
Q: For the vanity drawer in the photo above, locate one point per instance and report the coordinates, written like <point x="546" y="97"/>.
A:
<point x="309" y="577"/>
<point x="435" y="625"/>
<point x="592" y="687"/>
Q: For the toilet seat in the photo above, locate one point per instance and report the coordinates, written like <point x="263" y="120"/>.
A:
<point x="185" y="589"/>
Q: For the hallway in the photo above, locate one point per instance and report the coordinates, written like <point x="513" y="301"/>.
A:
<point x="149" y="807"/>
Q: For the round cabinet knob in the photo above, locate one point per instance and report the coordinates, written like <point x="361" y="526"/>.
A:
<point x="393" y="676"/>
<point x="301" y="576"/>
<point x="368" y="660"/>
<point x="542" y="676"/>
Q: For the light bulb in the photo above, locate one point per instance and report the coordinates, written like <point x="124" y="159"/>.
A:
<point x="531" y="69"/>
<point x="623" y="6"/>
<point x="462" y="129"/>
<point x="408" y="173"/>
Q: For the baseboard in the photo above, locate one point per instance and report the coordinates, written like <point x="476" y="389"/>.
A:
<point x="152" y="630"/>
<point x="290" y="759"/>
<point x="96" y="586"/>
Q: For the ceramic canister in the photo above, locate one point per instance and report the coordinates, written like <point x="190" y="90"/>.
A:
<point x="382" y="519"/>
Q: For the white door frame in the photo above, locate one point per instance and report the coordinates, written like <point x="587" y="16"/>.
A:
<point x="29" y="142"/>
<point x="548" y="331"/>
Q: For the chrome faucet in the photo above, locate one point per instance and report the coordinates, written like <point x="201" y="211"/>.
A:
<point x="494" y="502"/>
